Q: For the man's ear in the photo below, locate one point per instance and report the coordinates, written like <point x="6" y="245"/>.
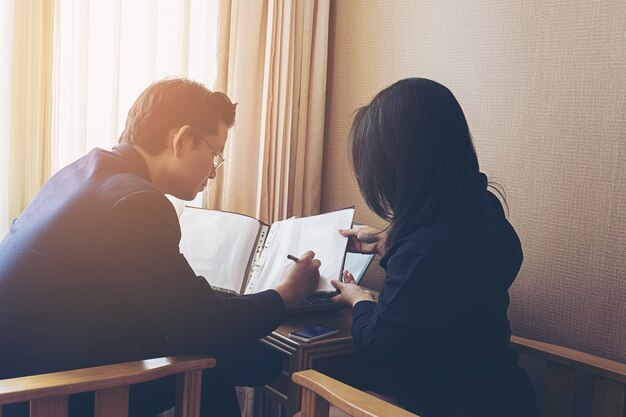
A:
<point x="179" y="138"/>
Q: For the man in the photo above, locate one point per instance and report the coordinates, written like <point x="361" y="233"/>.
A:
<point x="91" y="273"/>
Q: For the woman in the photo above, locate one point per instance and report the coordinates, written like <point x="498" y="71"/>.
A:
<point x="440" y="324"/>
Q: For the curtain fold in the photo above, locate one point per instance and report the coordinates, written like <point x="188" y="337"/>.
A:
<point x="74" y="71"/>
<point x="7" y="17"/>
<point x="272" y="60"/>
<point x="312" y="105"/>
<point x="29" y="143"/>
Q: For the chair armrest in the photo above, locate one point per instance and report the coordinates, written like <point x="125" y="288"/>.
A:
<point x="595" y="365"/>
<point x="97" y="378"/>
<point x="346" y="398"/>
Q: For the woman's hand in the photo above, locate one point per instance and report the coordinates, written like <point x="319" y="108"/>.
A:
<point x="351" y="293"/>
<point x="365" y="239"/>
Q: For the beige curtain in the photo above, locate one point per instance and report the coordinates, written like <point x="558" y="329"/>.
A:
<point x="29" y="162"/>
<point x="7" y="16"/>
<point x="272" y="61"/>
<point x="107" y="52"/>
<point x="72" y="69"/>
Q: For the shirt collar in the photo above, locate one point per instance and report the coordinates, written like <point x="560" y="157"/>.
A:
<point x="466" y="201"/>
<point x="128" y="152"/>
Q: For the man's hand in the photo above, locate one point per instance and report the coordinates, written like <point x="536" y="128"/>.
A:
<point x="365" y="239"/>
<point x="351" y="293"/>
<point x="300" y="280"/>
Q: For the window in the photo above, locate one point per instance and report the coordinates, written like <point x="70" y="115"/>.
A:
<point x="107" y="51"/>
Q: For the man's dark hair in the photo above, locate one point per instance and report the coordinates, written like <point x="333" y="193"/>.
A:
<point x="173" y="103"/>
<point x="412" y="153"/>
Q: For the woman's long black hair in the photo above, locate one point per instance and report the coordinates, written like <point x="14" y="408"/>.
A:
<point x="412" y="153"/>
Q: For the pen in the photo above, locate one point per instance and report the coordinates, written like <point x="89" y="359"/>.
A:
<point x="293" y="258"/>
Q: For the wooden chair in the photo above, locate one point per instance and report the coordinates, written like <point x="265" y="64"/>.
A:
<point x="609" y="378"/>
<point x="48" y="393"/>
<point x="319" y="390"/>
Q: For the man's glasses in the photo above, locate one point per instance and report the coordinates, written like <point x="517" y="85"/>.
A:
<point x="218" y="159"/>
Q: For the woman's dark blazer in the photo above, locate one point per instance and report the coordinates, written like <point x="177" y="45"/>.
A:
<point x="440" y="325"/>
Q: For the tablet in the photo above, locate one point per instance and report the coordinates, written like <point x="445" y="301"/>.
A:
<point x="357" y="264"/>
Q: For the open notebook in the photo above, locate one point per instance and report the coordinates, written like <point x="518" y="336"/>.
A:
<point x="239" y="254"/>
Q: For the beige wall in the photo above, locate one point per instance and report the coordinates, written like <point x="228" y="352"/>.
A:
<point x="543" y="86"/>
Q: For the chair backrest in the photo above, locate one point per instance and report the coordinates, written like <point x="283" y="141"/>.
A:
<point x="319" y="390"/>
<point x="609" y="378"/>
<point x="48" y="393"/>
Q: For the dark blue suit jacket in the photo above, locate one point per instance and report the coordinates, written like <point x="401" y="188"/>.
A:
<point x="441" y="325"/>
<point x="91" y="273"/>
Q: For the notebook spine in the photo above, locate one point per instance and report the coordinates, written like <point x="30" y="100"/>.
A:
<point x="257" y="260"/>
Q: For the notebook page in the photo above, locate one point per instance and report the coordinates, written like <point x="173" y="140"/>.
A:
<point x="296" y="236"/>
<point x="217" y="245"/>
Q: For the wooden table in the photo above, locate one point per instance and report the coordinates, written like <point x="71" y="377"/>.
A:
<point x="334" y="355"/>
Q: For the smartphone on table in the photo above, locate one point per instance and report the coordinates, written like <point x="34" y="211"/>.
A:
<point x="313" y="333"/>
